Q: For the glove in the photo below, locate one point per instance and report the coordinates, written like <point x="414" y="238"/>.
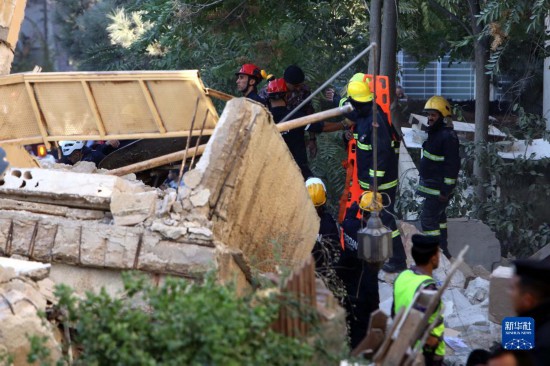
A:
<point x="351" y="212"/>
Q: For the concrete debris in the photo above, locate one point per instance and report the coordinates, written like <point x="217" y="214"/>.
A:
<point x="169" y="232"/>
<point x="477" y="291"/>
<point x="457" y="281"/>
<point x="466" y="311"/>
<point x="34" y="270"/>
<point x="130" y="208"/>
<point x="20" y="304"/>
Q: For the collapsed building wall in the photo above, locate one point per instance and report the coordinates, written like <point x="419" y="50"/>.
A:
<point x="244" y="205"/>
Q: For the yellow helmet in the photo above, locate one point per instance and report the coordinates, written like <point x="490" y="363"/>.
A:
<point x="439" y="104"/>
<point x="358" y="77"/>
<point x="317" y="191"/>
<point x="359" y="91"/>
<point x="367" y="202"/>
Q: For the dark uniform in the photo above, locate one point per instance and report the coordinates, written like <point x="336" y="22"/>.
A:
<point x="254" y="96"/>
<point x="387" y="169"/>
<point x="360" y="281"/>
<point x="294" y="140"/>
<point x="438" y="171"/>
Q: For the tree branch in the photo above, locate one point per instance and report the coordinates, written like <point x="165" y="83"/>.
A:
<point x="451" y="16"/>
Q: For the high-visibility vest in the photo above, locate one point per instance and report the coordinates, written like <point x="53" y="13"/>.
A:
<point x="352" y="189"/>
<point x="406" y="285"/>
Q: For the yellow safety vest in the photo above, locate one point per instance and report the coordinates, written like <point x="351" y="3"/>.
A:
<point x="405" y="287"/>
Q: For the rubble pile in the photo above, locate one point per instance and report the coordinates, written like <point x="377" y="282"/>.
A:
<point x="471" y="320"/>
<point x="24" y="293"/>
<point x="82" y="221"/>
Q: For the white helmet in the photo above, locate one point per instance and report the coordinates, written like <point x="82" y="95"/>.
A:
<point x="67" y="147"/>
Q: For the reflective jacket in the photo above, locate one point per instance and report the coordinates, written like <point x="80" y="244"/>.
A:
<point x="440" y="161"/>
<point x="406" y="285"/>
<point x="387" y="158"/>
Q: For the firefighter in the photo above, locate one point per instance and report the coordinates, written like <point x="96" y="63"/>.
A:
<point x="277" y="93"/>
<point x="298" y="91"/>
<point x="425" y="252"/>
<point x="248" y="78"/>
<point x="438" y="171"/>
<point x="327" y="247"/>
<point x="361" y="98"/>
<point x="360" y="279"/>
<point x="530" y="295"/>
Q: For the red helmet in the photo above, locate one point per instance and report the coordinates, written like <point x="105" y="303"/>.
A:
<point x="250" y="70"/>
<point x="277" y="86"/>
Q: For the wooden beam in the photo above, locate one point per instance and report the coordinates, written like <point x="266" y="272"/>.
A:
<point x="156" y="162"/>
<point x="37" y="115"/>
<point x="93" y="107"/>
<point x="152" y="107"/>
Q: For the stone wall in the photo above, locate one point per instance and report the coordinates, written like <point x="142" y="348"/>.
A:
<point x="249" y="185"/>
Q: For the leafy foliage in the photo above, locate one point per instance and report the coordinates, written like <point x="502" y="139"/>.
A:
<point x="178" y="323"/>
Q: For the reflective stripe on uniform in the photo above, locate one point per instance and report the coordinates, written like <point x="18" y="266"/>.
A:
<point x="364" y="146"/>
<point x="379" y="173"/>
<point x="356" y="136"/>
<point x="363" y="185"/>
<point x="427" y="190"/>
<point x="429" y="155"/>
<point x="449" y="181"/>
<point x="395" y="234"/>
<point x="443" y="225"/>
<point x="432" y="232"/>
<point x="387" y="185"/>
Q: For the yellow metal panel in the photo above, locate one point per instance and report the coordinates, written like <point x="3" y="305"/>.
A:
<point x="123" y="107"/>
<point x="65" y="108"/>
<point x="16" y="114"/>
<point x="131" y="104"/>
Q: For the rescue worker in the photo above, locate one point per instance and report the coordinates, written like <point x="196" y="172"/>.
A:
<point x="361" y="98"/>
<point x="248" y="78"/>
<point x="327" y="246"/>
<point x="438" y="170"/>
<point x="277" y="93"/>
<point x="530" y="295"/>
<point x="425" y="252"/>
<point x="360" y="279"/>
<point x="74" y="151"/>
<point x="298" y="91"/>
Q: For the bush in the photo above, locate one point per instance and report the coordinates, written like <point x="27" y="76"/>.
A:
<point x="178" y="323"/>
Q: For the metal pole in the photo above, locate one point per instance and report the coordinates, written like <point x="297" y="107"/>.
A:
<point x="355" y="59"/>
<point x="374" y="127"/>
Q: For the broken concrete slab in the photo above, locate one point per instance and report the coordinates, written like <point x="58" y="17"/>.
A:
<point x="78" y="190"/>
<point x="484" y="246"/>
<point x="246" y="156"/>
<point x="131" y="208"/>
<point x="500" y="305"/>
<point x="34" y="270"/>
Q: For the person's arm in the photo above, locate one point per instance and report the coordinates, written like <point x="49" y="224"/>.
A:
<point x="451" y="164"/>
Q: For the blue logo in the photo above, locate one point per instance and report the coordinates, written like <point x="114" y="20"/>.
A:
<point x="518" y="333"/>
